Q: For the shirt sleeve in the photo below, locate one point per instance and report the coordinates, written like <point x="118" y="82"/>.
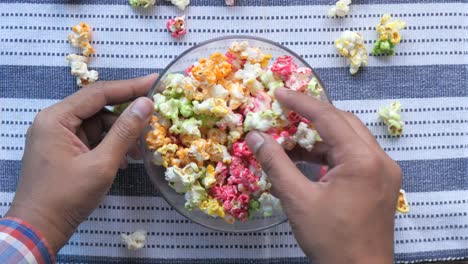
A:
<point x="20" y="243"/>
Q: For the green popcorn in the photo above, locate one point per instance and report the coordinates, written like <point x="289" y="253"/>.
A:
<point x="392" y="119"/>
<point x="261" y="120"/>
<point x="254" y="206"/>
<point x="186" y="107"/>
<point x="143" y="3"/>
<point x="270" y="81"/>
<point x="170" y="109"/>
<point x="314" y="89"/>
<point x="158" y="99"/>
<point x="186" y="127"/>
<point x="383" y="47"/>
<point x="195" y="196"/>
<point x="207" y="121"/>
<point x="174" y="85"/>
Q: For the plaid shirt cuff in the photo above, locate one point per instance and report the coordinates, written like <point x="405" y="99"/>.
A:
<point x="20" y="243"/>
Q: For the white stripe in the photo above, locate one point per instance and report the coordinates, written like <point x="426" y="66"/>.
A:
<point x="226" y="24"/>
<point x="422" y="154"/>
<point x="18" y="245"/>
<point x="182" y="239"/>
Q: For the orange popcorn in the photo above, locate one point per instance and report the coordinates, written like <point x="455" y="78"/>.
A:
<point x="209" y="71"/>
<point x="217" y="135"/>
<point x="156" y="138"/>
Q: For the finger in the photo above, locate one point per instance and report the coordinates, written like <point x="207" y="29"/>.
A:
<point x="360" y="129"/>
<point x="123" y="163"/>
<point x="91" y="99"/>
<point x="125" y="130"/>
<point x="330" y="125"/>
<point x="134" y="151"/>
<point x="288" y="182"/>
<point x="318" y="155"/>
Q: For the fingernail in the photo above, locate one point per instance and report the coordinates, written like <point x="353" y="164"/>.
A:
<point x="254" y="140"/>
<point x="142" y="107"/>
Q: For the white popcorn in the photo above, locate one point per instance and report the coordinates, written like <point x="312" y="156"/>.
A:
<point x="279" y="111"/>
<point x="263" y="183"/>
<point x="249" y="76"/>
<point x="134" y="241"/>
<point x="218" y="91"/>
<point x="261" y="120"/>
<point x="79" y="69"/>
<point x="391" y="117"/>
<point x="239" y="46"/>
<point x="230" y="2"/>
<point x="341" y="8"/>
<point x="268" y="203"/>
<point x="181" y="4"/>
<point x="351" y="45"/>
<point x="195" y="196"/>
<point x="306" y="136"/>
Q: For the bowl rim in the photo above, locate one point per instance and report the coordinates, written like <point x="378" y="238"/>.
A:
<point x="158" y="80"/>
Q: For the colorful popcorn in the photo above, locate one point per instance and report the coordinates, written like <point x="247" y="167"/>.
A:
<point x="202" y="117"/>
<point x="391" y="117"/>
<point x="142" y="3"/>
<point x="176" y="26"/>
<point x="390" y="36"/>
<point x="181" y="4"/>
<point x="341" y="8"/>
<point x="79" y="69"/>
<point x="81" y="38"/>
<point x="351" y="46"/>
<point x="402" y="205"/>
<point x="135" y="240"/>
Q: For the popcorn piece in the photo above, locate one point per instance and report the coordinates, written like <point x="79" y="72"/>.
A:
<point x="389" y="32"/>
<point x="156" y="138"/>
<point x="314" y="89"/>
<point x="283" y="67"/>
<point x="299" y="79"/>
<point x="254" y="206"/>
<point x="263" y="183"/>
<point x="134" y="241"/>
<point x="217" y="135"/>
<point x="79" y="69"/>
<point x="181" y="4"/>
<point x="212" y="106"/>
<point x="186" y="127"/>
<point x="391" y="117"/>
<point x="176" y="26"/>
<point x="212" y="207"/>
<point x="268" y="204"/>
<point x="210" y="71"/>
<point x="237" y="92"/>
<point x="174" y="85"/>
<point x="341" y="8"/>
<point x="82" y="38"/>
<point x="306" y="136"/>
<point x="181" y="179"/>
<point x="271" y="81"/>
<point x="218" y="153"/>
<point x="285" y="139"/>
<point x="218" y="91"/>
<point x="209" y="180"/>
<point x="163" y="155"/>
<point x="262" y="121"/>
<point x="351" y="46"/>
<point x="230" y="2"/>
<point x="195" y="196"/>
<point x="143" y="3"/>
<point x="198" y="150"/>
<point x="402" y="205"/>
<point x="249" y="76"/>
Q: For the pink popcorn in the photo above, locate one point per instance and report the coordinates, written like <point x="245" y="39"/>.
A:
<point x="240" y="149"/>
<point x="294" y="119"/>
<point x="284" y="138"/>
<point x="242" y="174"/>
<point x="176" y="26"/>
<point x="299" y="79"/>
<point x="188" y="71"/>
<point x="235" y="61"/>
<point x="261" y="101"/>
<point x="283" y="67"/>
<point x="221" y="172"/>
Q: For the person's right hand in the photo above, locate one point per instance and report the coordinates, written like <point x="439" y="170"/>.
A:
<point x="348" y="215"/>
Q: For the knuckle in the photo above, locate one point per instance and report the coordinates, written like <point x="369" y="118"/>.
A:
<point x="124" y="129"/>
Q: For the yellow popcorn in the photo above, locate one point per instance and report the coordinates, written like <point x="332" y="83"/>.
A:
<point x="82" y="38"/>
<point x="217" y="135"/>
<point x="402" y="204"/>
<point x="341" y="8"/>
<point x="197" y="150"/>
<point x="351" y="46"/>
<point x="218" y="153"/>
<point x="235" y="134"/>
<point x="212" y="207"/>
<point x="212" y="106"/>
<point x="389" y="35"/>
<point x="209" y="180"/>
<point x="165" y="154"/>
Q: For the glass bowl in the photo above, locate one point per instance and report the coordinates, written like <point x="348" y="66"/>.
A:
<point x="156" y="173"/>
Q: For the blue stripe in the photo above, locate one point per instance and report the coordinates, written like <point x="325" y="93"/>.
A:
<point x="406" y="257"/>
<point x="238" y="2"/>
<point x="419" y="176"/>
<point x="371" y="83"/>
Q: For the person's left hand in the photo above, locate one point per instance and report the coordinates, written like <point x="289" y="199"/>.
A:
<point x="68" y="165"/>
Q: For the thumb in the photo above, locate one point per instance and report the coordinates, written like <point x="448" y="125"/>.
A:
<point x="126" y="130"/>
<point x="288" y="183"/>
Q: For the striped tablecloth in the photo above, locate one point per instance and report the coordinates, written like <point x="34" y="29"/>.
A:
<point x="428" y="74"/>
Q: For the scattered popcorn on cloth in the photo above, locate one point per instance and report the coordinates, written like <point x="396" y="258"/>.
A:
<point x="341" y="8"/>
<point x="389" y="35"/>
<point x="351" y="46"/>
<point x="176" y="26"/>
<point x="402" y="205"/>
<point x="81" y="38"/>
<point x="391" y="117"/>
<point x="201" y="119"/>
<point x="181" y="4"/>
<point x="134" y="241"/>
<point x="142" y="3"/>
<point x="79" y="68"/>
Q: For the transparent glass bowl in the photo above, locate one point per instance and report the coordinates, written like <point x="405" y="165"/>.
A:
<point x="156" y="173"/>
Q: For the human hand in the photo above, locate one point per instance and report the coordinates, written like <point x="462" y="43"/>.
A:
<point x="348" y="215"/>
<point x="68" y="166"/>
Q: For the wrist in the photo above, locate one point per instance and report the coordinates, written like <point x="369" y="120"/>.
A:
<point x="54" y="231"/>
